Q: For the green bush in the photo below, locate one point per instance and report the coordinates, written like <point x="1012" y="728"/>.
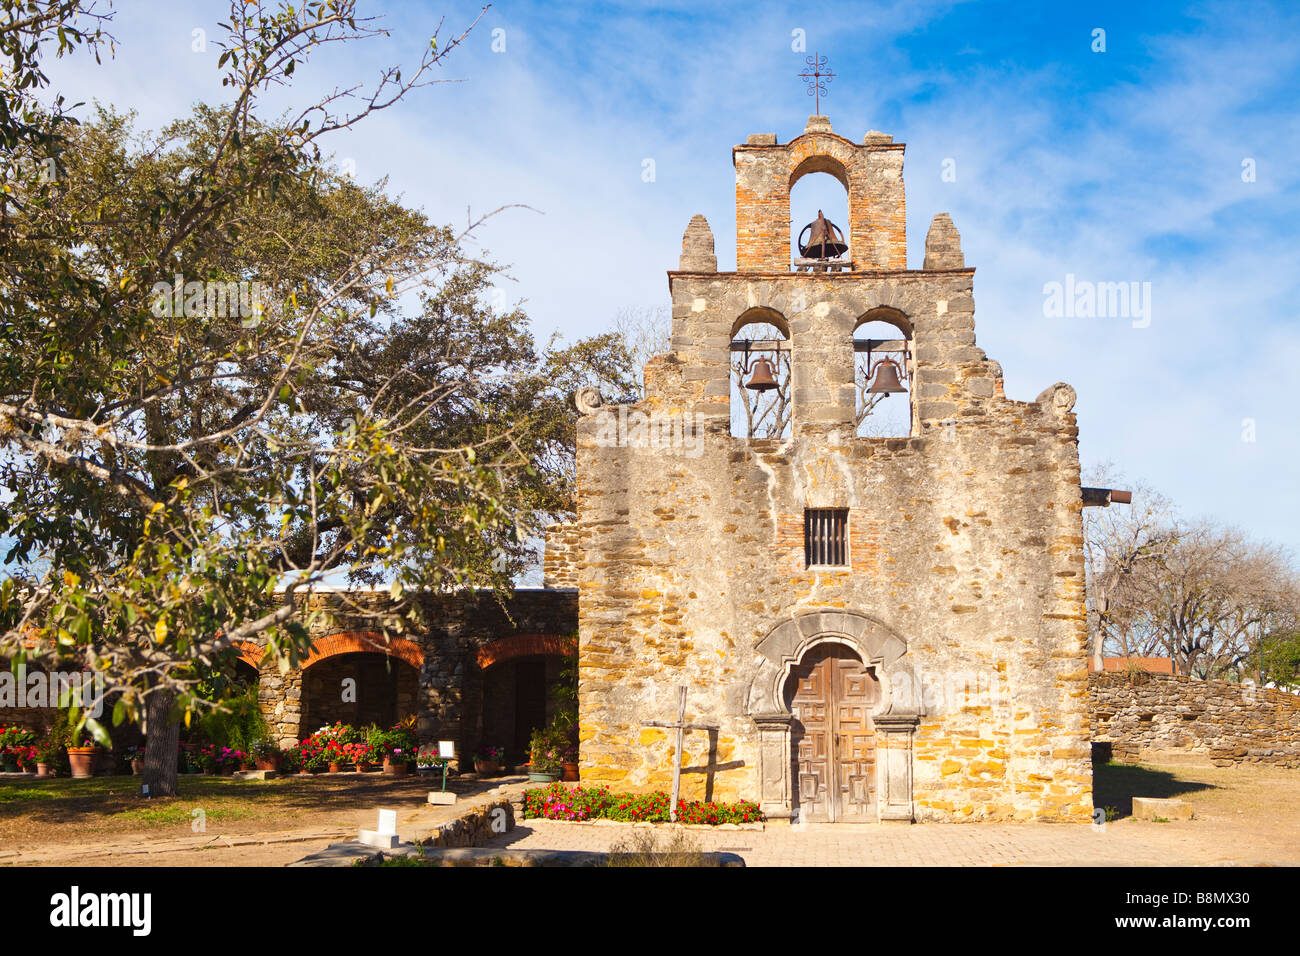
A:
<point x="558" y="802"/>
<point x="238" y="724"/>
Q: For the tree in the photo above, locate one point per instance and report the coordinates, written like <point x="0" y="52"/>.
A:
<point x="183" y="471"/>
<point x="646" y="332"/>
<point x="1208" y="597"/>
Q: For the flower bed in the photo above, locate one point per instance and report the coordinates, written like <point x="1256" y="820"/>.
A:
<point x="558" y="802"/>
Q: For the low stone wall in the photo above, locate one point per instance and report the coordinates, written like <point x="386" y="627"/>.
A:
<point x="1148" y="714"/>
<point x="476" y="826"/>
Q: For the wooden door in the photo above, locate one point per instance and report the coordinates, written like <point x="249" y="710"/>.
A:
<point x="833" y="745"/>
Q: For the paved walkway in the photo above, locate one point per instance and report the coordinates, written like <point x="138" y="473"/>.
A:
<point x="1125" y="843"/>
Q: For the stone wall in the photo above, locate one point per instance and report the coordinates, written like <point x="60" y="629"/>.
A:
<point x="447" y="696"/>
<point x="563" y="556"/>
<point x="965" y="587"/>
<point x="1146" y="715"/>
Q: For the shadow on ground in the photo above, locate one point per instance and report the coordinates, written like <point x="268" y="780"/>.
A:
<point x="1116" y="784"/>
<point x="100" y="805"/>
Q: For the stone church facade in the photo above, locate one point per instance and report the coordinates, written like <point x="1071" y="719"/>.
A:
<point x="935" y="669"/>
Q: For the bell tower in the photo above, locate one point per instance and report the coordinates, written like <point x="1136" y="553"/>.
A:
<point x="746" y="538"/>
<point x="871" y="172"/>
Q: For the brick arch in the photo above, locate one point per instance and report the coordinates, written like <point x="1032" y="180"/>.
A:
<point x="364" y="642"/>
<point x="822" y="162"/>
<point x="525" y="645"/>
<point x="871" y="172"/>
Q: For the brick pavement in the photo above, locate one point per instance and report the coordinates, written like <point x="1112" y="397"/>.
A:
<point x="1125" y="843"/>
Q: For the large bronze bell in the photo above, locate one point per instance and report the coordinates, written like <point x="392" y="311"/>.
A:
<point x="762" y="380"/>
<point x="825" y="241"/>
<point x="886" y="382"/>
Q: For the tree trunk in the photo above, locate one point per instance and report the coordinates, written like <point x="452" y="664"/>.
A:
<point x="162" y="735"/>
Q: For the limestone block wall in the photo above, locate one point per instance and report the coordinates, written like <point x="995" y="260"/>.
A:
<point x="966" y="549"/>
<point x="1146" y="715"/>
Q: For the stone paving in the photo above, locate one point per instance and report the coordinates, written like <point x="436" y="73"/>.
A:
<point x="1126" y="843"/>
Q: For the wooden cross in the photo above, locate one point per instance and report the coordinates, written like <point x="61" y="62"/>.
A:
<point x="681" y="726"/>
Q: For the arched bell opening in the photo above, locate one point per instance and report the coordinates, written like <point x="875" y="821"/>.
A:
<point x="882" y="375"/>
<point x="760" y="375"/>
<point x="830" y="695"/>
<point x="819" y="216"/>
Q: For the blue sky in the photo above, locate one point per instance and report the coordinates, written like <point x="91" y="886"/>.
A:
<point x="1117" y="166"/>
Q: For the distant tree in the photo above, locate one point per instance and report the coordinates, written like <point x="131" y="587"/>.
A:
<point x="645" y="332"/>
<point x="1207" y="596"/>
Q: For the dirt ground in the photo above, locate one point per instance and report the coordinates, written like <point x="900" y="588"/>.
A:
<point x="1243" y="815"/>
<point x="1241" y="812"/>
<point x="104" y="821"/>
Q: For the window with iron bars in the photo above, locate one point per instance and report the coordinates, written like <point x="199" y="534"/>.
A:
<point x="826" y="537"/>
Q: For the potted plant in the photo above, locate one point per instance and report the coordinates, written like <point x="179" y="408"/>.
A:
<point x="205" y="758"/>
<point x="428" y="759"/>
<point x="231" y="760"/>
<point x="313" y="757"/>
<point x="266" y="755"/>
<point x="135" y="757"/>
<point x="569" y="762"/>
<point x="291" y="761"/>
<point x="544" y="757"/>
<point x="27" y="758"/>
<point x="81" y="754"/>
<point x="488" y="759"/>
<point x="397" y="745"/>
<point x="14" y="745"/>
<point x="361" y="755"/>
<point x="335" y="755"/>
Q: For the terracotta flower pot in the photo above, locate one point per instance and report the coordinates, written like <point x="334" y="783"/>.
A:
<point x="486" y="768"/>
<point x="364" y="766"/>
<point x="395" y="769"/>
<point x="82" y="760"/>
<point x="570" y="773"/>
<point x="305" y="772"/>
<point x="267" y="763"/>
<point x="43" y="769"/>
<point x="335" y="768"/>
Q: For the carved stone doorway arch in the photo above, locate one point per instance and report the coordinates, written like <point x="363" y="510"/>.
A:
<point x="895" y="715"/>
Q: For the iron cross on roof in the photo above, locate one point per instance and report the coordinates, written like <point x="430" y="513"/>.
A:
<point x="817" y="79"/>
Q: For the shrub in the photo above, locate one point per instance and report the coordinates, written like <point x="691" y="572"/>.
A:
<point x="558" y="802"/>
<point x="398" y="743"/>
<point x="644" y="849"/>
<point x="237" y="724"/>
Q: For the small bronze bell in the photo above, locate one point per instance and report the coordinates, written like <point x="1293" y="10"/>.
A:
<point x="886" y="382"/>
<point x="762" y="380"/>
<point x="825" y="241"/>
